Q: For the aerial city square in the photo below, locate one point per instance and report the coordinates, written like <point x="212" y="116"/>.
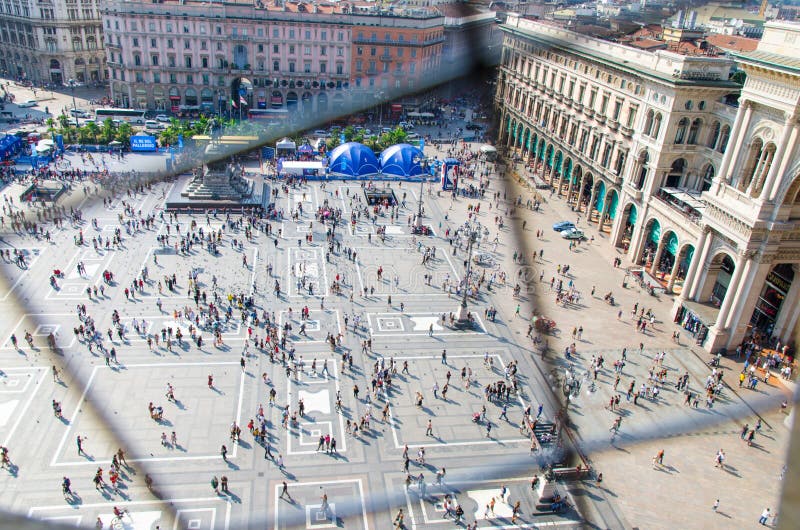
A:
<point x="414" y="266"/>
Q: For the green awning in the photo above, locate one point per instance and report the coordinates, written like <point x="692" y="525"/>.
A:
<point x="655" y="231"/>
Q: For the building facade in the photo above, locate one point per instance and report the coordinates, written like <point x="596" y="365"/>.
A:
<point x="51" y="42"/>
<point x="293" y="55"/>
<point x="653" y="147"/>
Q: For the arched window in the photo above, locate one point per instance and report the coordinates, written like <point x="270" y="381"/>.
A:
<point x="680" y="134"/>
<point x="648" y="122"/>
<point x="724" y="136"/>
<point x="656" y="126"/>
<point x="708" y="178"/>
<point x="715" y="130"/>
<point x="641" y="174"/>
<point x="675" y="174"/>
<point x="694" y="130"/>
<point x="753" y="157"/>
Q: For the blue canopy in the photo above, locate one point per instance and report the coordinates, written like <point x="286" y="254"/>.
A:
<point x="353" y="159"/>
<point x="8" y="143"/>
<point x="402" y="160"/>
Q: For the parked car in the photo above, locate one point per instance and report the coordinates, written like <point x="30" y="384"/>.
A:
<point x="406" y="125"/>
<point x="563" y="225"/>
<point x="27" y="104"/>
<point x="474" y="127"/>
<point x="152" y="125"/>
<point x="163" y="118"/>
<point x="78" y="113"/>
<point x="319" y="133"/>
<point x="412" y="136"/>
<point x="573" y="233"/>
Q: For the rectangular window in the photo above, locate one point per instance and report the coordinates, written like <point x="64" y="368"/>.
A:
<point x="276" y="33"/>
<point x="189" y="79"/>
<point x="631" y="116"/>
<point x="307" y="67"/>
<point x="152" y="43"/>
<point x="135" y="42"/>
<point x="171" y="61"/>
<point x="339" y="69"/>
<point x="617" y="110"/>
<point x="604" y="104"/>
<point x="307" y="50"/>
<point x="139" y="77"/>
<point x="206" y="79"/>
<point x="413" y="53"/>
<point x="275" y="48"/>
<point x="592" y="98"/>
<point x="308" y="35"/>
<point x="359" y="65"/>
<point x="187" y="45"/>
<point x="291" y="66"/>
<point x="323" y="35"/>
<point x="152" y="27"/>
<point x="186" y="29"/>
<point x="156" y="77"/>
<point x="412" y="68"/>
<point x="323" y="50"/>
<point x="173" y="78"/>
<point x="323" y="67"/>
<point x="154" y="60"/>
<point x="291" y="49"/>
<point x="291" y="33"/>
<point x="169" y="27"/>
<point x="169" y="44"/>
<point x="260" y="48"/>
<point x="204" y="62"/>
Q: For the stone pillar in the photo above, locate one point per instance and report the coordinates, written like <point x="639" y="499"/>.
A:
<point x="601" y="221"/>
<point x="739" y="129"/>
<point x="617" y="227"/>
<point x="592" y="199"/>
<point x="730" y="295"/>
<point x="697" y="277"/>
<point x="786" y="147"/>
<point x="673" y="273"/>
<point x="786" y="313"/>
<point x="657" y="256"/>
<point x="750" y="288"/>
<point x="694" y="265"/>
<point x="580" y="190"/>
<point x="743" y="288"/>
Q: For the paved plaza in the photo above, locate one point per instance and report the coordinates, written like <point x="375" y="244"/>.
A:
<point x="384" y="307"/>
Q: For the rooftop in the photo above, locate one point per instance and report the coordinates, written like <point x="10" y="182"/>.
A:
<point x="732" y="42"/>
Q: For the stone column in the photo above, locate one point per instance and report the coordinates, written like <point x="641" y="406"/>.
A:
<point x="694" y="280"/>
<point x="592" y="199"/>
<point x="570" y="188"/>
<point x="788" y="314"/>
<point x="693" y="266"/>
<point x="730" y="295"/>
<point x="657" y="256"/>
<point x="601" y="221"/>
<point x="739" y="129"/>
<point x="742" y="291"/>
<point x="786" y="147"/>
<point x="673" y="273"/>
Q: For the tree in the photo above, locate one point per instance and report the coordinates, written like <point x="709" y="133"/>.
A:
<point x="92" y="129"/>
<point x="124" y="133"/>
<point x="107" y="131"/>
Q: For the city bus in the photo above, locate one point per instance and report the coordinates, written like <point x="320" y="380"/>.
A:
<point x="132" y="116"/>
<point x="273" y="115"/>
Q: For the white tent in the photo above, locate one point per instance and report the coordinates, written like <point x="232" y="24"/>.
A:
<point x="287" y="144"/>
<point x="486" y="148"/>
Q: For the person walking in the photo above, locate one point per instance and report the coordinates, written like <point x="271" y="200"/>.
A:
<point x="764" y="517"/>
<point x="79" y="441"/>
<point x="429" y="430"/>
<point x="215" y="484"/>
<point x="285" y="491"/>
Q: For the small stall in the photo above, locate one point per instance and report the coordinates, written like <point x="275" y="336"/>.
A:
<point x="285" y="147"/>
<point x="304" y="168"/>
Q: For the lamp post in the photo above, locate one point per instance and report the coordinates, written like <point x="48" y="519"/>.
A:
<point x="463" y="313"/>
<point x="418" y="222"/>
<point x="72" y="87"/>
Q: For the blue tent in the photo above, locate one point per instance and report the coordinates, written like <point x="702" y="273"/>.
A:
<point x="402" y="160"/>
<point x="9" y="144"/>
<point x="353" y="159"/>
